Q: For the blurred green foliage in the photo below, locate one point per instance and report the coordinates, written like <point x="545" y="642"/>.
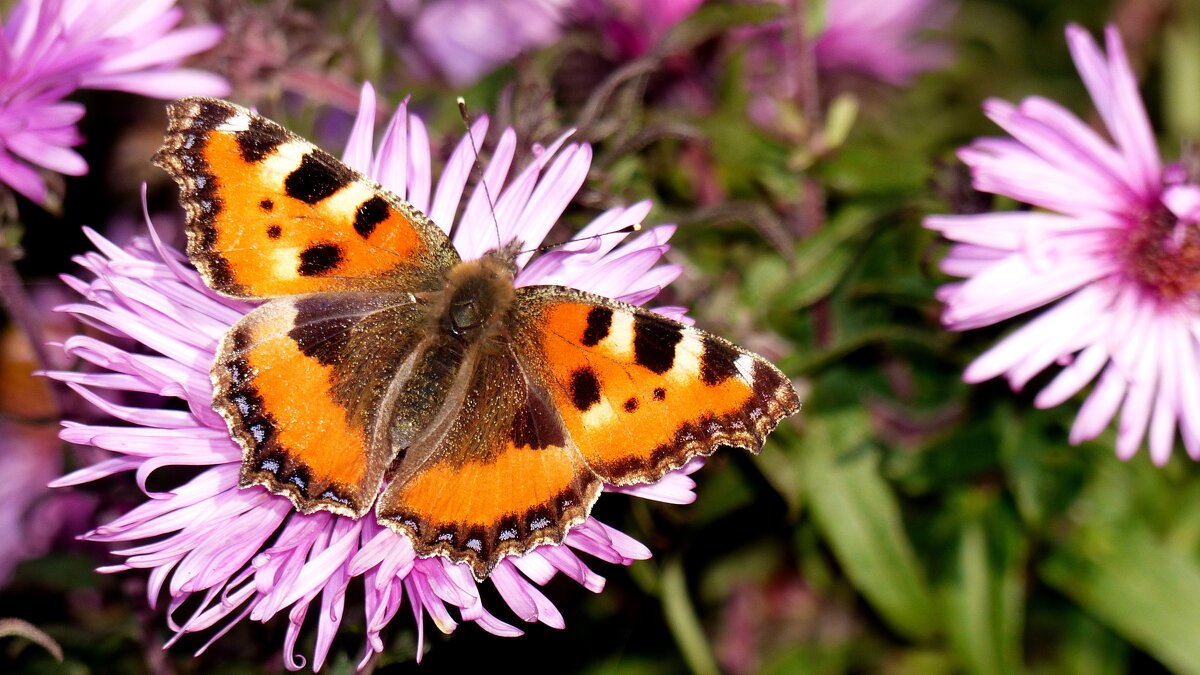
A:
<point x="903" y="522"/>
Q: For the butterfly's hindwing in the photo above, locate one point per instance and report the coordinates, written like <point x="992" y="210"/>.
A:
<point x="301" y="382"/>
<point x="502" y="480"/>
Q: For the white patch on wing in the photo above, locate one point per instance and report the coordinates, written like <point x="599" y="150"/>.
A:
<point x="619" y="341"/>
<point x="688" y="351"/>
<point x="745" y="367"/>
<point x="600" y="414"/>
<point x="236" y="122"/>
<point x="285" y="261"/>
<point x="286" y="159"/>
<point x="348" y="199"/>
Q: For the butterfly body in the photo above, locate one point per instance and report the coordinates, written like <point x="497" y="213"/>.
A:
<point x="479" y="418"/>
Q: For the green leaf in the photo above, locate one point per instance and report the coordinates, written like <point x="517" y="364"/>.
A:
<point x="857" y="514"/>
<point x="1044" y="473"/>
<point x="780" y="470"/>
<point x="1147" y="592"/>
<point x="811" y="361"/>
<point x="1087" y="647"/>
<point x="823" y="259"/>
<point x="839" y="120"/>
<point x="1181" y="71"/>
<point x="983" y="600"/>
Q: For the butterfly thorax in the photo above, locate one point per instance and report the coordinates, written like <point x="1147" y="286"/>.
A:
<point x="465" y="328"/>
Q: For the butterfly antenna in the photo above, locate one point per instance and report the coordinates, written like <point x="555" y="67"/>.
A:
<point x="466" y="118"/>
<point x="636" y="227"/>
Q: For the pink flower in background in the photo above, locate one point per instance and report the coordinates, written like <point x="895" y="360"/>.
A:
<point x="248" y="553"/>
<point x="882" y="40"/>
<point x="52" y="48"/>
<point x="463" y="40"/>
<point x="634" y="27"/>
<point x="1113" y="251"/>
<point x="32" y="516"/>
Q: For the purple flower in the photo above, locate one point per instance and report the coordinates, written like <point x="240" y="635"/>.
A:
<point x="31" y="516"/>
<point x="634" y="27"/>
<point x="51" y="48"/>
<point x="246" y="552"/>
<point x="883" y="40"/>
<point x="462" y="40"/>
<point x="1113" y="249"/>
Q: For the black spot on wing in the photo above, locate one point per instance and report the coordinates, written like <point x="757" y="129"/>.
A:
<point x="370" y="213"/>
<point x="718" y="363"/>
<point x="659" y="393"/>
<point x="599" y="322"/>
<point x="585" y="389"/>
<point x="266" y="205"/>
<point x="631" y="405"/>
<point x="259" y="140"/>
<point x="654" y="343"/>
<point x="316" y="178"/>
<point x="274" y="232"/>
<point x="319" y="259"/>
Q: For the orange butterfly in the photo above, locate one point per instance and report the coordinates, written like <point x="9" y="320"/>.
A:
<point x="477" y="418"/>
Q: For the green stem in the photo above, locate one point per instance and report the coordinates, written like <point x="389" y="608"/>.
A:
<point x="682" y="620"/>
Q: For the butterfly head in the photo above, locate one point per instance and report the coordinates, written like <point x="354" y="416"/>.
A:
<point x="478" y="293"/>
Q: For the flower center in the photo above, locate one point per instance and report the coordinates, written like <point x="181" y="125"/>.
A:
<point x="1163" y="254"/>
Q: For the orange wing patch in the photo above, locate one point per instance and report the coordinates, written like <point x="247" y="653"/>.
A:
<point x="298" y="441"/>
<point x="269" y="214"/>
<point x="640" y="394"/>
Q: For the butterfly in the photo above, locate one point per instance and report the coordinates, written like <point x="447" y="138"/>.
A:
<point x="383" y="372"/>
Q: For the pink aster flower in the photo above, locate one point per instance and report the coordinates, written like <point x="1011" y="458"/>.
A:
<point x="888" y="42"/>
<point x="32" y="517"/>
<point x="462" y="40"/>
<point x="1113" y="250"/>
<point x="633" y="27"/>
<point x="247" y="553"/>
<point x="883" y="40"/>
<point x="50" y="48"/>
